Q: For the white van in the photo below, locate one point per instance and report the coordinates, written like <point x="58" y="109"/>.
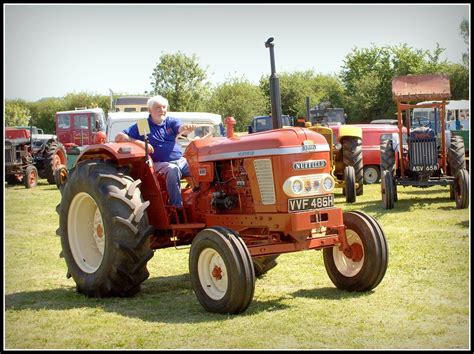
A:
<point x="118" y="121"/>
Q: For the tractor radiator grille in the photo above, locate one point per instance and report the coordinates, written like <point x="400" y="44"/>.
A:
<point x="423" y="152"/>
<point x="264" y="171"/>
<point x="10" y="155"/>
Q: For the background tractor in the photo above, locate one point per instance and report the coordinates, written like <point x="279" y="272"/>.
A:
<point x="432" y="155"/>
<point x="24" y="150"/>
<point x="346" y="151"/>
<point x="250" y="198"/>
<point x="19" y="163"/>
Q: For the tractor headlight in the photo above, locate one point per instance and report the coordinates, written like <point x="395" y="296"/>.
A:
<point x="328" y="184"/>
<point x="297" y="186"/>
<point x="338" y="146"/>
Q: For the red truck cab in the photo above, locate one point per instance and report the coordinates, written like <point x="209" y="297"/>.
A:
<point x="372" y="136"/>
<point x="79" y="127"/>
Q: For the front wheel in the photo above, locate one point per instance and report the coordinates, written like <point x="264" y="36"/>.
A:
<point x="350" y="185"/>
<point x="30" y="180"/>
<point x="388" y="190"/>
<point x="60" y="175"/>
<point x="461" y="189"/>
<point x="221" y="269"/>
<point x="363" y="266"/>
<point x="352" y="156"/>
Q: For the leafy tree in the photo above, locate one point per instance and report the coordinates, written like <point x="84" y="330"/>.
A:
<point x="464" y="30"/>
<point x="181" y="80"/>
<point x="367" y="75"/>
<point x="296" y="86"/>
<point x="16" y="113"/>
<point x="239" y="98"/>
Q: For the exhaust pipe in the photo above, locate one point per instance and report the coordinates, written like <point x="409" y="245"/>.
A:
<point x="275" y="95"/>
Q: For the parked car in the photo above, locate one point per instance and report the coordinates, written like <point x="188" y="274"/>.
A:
<point x="372" y="136"/>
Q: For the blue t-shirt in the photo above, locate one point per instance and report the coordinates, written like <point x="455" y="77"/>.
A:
<point x="162" y="137"/>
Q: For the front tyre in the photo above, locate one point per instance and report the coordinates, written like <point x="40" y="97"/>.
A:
<point x="352" y="156"/>
<point x="349" y="184"/>
<point x="388" y="190"/>
<point x="365" y="265"/>
<point x="221" y="269"/>
<point x="30" y="179"/>
<point x="461" y="189"/>
<point x="104" y="230"/>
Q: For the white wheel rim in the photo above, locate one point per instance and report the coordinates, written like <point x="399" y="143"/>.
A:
<point x="212" y="274"/>
<point x="86" y="232"/>
<point x="370" y="175"/>
<point x="345" y="265"/>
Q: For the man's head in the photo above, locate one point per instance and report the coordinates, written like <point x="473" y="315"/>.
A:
<point x="157" y="106"/>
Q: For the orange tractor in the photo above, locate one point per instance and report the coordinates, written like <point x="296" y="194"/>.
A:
<point x="250" y="199"/>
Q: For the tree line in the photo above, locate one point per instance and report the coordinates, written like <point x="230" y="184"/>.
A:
<point x="362" y="87"/>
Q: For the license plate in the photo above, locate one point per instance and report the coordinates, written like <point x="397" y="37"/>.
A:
<point x="310" y="203"/>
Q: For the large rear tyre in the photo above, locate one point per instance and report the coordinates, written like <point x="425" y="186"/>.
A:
<point x="54" y="155"/>
<point x="262" y="265"/>
<point x="352" y="156"/>
<point x="221" y="269"/>
<point x="350" y="186"/>
<point x="387" y="157"/>
<point x="456" y="155"/>
<point x="388" y="190"/>
<point x="30" y="179"/>
<point x="461" y="189"/>
<point x="367" y="264"/>
<point x="104" y="230"/>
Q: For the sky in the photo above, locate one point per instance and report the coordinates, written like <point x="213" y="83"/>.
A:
<point x="52" y="50"/>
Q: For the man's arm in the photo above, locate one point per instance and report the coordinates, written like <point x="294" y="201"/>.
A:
<point x="186" y="127"/>
<point x="122" y="137"/>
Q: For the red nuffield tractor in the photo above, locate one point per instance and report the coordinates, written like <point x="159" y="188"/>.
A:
<point x="432" y="156"/>
<point x="250" y="199"/>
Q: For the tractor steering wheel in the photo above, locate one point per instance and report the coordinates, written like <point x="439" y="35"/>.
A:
<point x="211" y="132"/>
<point x="425" y="124"/>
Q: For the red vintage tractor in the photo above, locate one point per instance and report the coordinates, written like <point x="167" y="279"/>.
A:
<point x="432" y="155"/>
<point x="250" y="199"/>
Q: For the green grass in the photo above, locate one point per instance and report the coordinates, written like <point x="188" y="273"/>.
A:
<point x="423" y="301"/>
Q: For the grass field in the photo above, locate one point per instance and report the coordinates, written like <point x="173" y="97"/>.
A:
<point x="423" y="301"/>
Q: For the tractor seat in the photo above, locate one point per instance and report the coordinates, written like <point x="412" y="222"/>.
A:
<point x="162" y="180"/>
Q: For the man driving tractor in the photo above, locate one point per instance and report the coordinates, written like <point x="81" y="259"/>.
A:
<point x="164" y="148"/>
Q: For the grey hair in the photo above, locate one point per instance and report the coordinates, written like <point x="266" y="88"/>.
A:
<point x="157" y="99"/>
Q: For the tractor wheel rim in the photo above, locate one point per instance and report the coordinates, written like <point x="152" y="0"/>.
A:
<point x="86" y="232"/>
<point x="63" y="175"/>
<point x="346" y="266"/>
<point x="370" y="175"/>
<point x="32" y="178"/>
<point x="212" y="274"/>
<point x="56" y="161"/>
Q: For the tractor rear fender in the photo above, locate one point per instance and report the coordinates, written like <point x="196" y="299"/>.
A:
<point x="129" y="154"/>
<point x="122" y="153"/>
<point x="347" y="130"/>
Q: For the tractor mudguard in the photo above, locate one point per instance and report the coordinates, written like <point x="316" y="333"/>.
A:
<point x="123" y="152"/>
<point x="348" y="130"/>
